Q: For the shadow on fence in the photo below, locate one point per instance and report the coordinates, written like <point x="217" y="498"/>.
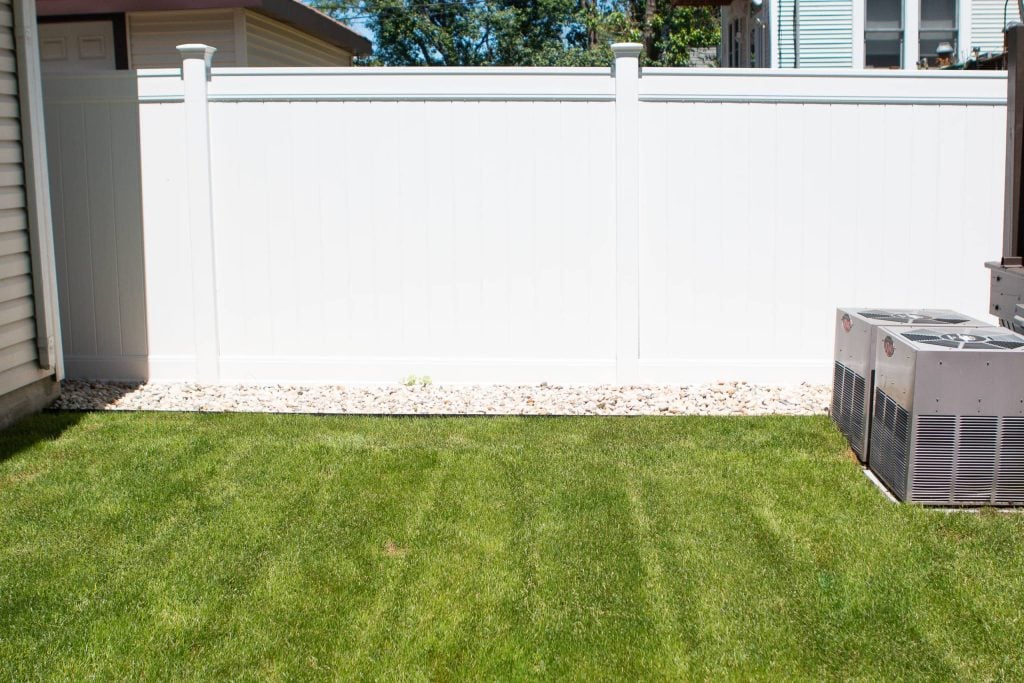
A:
<point x="94" y="155"/>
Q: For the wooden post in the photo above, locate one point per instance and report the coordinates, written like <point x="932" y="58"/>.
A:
<point x="627" y="212"/>
<point x="1012" y="218"/>
<point x="195" y="70"/>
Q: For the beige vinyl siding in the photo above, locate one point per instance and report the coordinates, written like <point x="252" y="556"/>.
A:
<point x="272" y="43"/>
<point x="988" y="18"/>
<point x="18" y="354"/>
<point x="154" y="36"/>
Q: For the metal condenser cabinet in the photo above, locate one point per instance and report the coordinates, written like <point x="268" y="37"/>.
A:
<point x="852" y="388"/>
<point x="948" y="417"/>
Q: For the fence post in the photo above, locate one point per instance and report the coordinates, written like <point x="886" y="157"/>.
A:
<point x="195" y="71"/>
<point x="627" y="212"/>
<point x="1013" y="196"/>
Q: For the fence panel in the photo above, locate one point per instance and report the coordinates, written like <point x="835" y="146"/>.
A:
<point x="768" y="200"/>
<point x="369" y="224"/>
<point x="465" y="235"/>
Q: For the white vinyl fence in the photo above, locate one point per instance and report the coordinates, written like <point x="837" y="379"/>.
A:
<point x="510" y="225"/>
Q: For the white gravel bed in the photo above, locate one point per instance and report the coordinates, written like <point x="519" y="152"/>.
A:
<point x="723" y="398"/>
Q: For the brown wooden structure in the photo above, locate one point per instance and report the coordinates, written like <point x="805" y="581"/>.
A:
<point x="1007" y="301"/>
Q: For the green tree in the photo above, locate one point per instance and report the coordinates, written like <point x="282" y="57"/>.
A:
<point x="682" y="28"/>
<point x="526" y="32"/>
<point x="666" y="28"/>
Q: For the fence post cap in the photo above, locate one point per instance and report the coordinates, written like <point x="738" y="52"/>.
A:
<point x="197" y="51"/>
<point x="627" y="49"/>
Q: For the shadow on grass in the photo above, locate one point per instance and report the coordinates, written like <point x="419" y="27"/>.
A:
<point x="26" y="433"/>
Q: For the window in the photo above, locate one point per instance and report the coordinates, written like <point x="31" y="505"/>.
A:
<point x="735" y="43"/>
<point x="883" y="34"/>
<point x="759" y="56"/>
<point x="938" y="25"/>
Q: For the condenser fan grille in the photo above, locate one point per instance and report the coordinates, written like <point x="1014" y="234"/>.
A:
<point x="890" y="443"/>
<point x="965" y="340"/>
<point x="913" y="318"/>
<point x="848" y="406"/>
<point x="968" y="460"/>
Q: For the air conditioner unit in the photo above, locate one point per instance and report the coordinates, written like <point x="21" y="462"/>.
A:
<point x="852" y="378"/>
<point x="948" y="418"/>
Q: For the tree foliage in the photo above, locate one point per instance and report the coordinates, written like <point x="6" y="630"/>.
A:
<point x="526" y="32"/>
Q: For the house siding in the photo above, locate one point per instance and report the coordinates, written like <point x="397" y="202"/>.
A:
<point x="828" y="39"/>
<point x="988" y="17"/>
<point x="272" y="43"/>
<point x="784" y="33"/>
<point x="826" y="33"/>
<point x="154" y="36"/>
<point x="19" y="355"/>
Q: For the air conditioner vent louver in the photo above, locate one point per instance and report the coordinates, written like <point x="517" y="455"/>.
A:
<point x="890" y="443"/>
<point x="848" y="404"/>
<point x="912" y="317"/>
<point x="968" y="460"/>
<point x="1010" y="472"/>
<point x="975" y="459"/>
<point x="837" y="387"/>
<point x="956" y="340"/>
<point x="933" y="469"/>
<point x="858" y="417"/>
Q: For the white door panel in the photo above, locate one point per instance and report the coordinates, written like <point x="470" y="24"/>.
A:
<point x="77" y="46"/>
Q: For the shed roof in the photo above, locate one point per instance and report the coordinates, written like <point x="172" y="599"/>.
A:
<point x="292" y="12"/>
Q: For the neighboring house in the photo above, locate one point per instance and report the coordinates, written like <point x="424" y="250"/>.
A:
<point x="103" y="35"/>
<point x="884" y="34"/>
<point x="29" y="330"/>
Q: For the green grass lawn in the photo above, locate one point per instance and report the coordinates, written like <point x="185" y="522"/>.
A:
<point x="258" y="546"/>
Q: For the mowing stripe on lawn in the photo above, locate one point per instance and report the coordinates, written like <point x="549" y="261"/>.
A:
<point x="257" y="547"/>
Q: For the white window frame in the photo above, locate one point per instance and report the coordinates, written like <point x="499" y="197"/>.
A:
<point x="957" y="30"/>
<point x="860" y="32"/>
<point x="911" y="27"/>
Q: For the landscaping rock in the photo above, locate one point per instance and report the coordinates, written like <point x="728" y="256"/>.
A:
<point x="736" y="398"/>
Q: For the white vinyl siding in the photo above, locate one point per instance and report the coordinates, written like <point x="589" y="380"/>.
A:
<point x="154" y="36"/>
<point x="827" y="37"/>
<point x="18" y="354"/>
<point x="242" y="38"/>
<point x="784" y="33"/>
<point x="272" y="43"/>
<point x="826" y="33"/>
<point x="988" y="17"/>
